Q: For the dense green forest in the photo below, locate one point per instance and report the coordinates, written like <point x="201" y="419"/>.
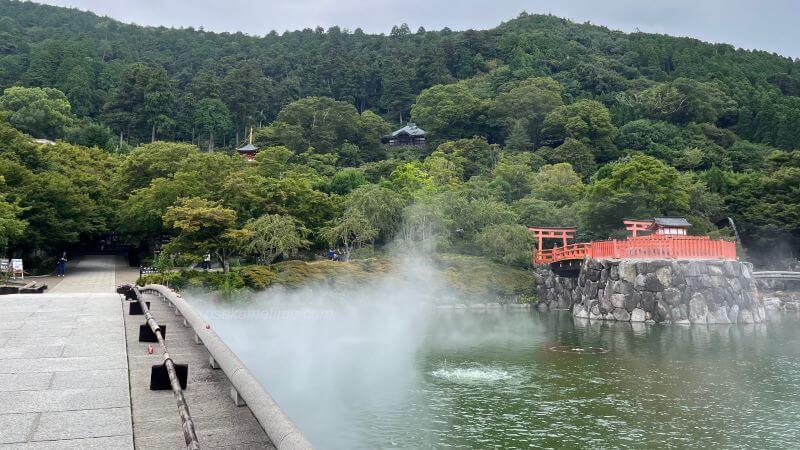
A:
<point x="537" y="121"/>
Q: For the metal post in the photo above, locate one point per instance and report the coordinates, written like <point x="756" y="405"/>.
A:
<point x="189" y="434"/>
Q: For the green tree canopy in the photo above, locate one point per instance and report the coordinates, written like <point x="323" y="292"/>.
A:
<point x="273" y="235"/>
<point x="587" y="121"/>
<point x="203" y="226"/>
<point x="40" y="112"/>
<point x="640" y="186"/>
<point x="447" y="111"/>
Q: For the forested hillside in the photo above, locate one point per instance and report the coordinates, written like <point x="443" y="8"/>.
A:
<point x="537" y="121"/>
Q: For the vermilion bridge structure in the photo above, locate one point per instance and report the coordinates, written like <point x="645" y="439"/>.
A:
<point x="667" y="241"/>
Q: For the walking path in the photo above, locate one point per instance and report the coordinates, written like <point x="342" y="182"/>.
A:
<point x="63" y="365"/>
<point x="74" y="375"/>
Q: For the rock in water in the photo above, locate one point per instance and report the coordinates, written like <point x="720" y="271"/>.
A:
<point x="638" y="315"/>
<point x="733" y="314"/>
<point x="621" y="315"/>
<point x="718" y="316"/>
<point x="772" y="303"/>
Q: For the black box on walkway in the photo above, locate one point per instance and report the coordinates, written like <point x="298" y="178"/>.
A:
<point x="136" y="308"/>
<point x="147" y="335"/>
<point x="159" y="376"/>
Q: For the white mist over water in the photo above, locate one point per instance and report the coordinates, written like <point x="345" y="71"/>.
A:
<point x="333" y="358"/>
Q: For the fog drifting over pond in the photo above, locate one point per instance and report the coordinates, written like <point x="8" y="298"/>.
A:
<point x="376" y="367"/>
<point x="328" y="354"/>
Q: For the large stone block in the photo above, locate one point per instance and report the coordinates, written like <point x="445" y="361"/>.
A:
<point x="652" y="283"/>
<point x="638" y="315"/>
<point x="664" y="275"/>
<point x="678" y="279"/>
<point x="640" y="282"/>
<point x="720" y="315"/>
<point x="604" y="276"/>
<point x="662" y="313"/>
<point x="715" y="270"/>
<point x="698" y="309"/>
<point x="649" y="301"/>
<point x="621" y="315"/>
<point x="732" y="269"/>
<point x="695" y="269"/>
<point x="631" y="302"/>
<point x="593" y="288"/>
<point x="746" y="316"/>
<point x="618" y="300"/>
<point x="627" y="272"/>
<point x="672" y="296"/>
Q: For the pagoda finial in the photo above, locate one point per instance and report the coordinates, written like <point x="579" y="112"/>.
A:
<point x="251" y="135"/>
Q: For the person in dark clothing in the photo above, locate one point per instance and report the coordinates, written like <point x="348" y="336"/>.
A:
<point x="61" y="265"/>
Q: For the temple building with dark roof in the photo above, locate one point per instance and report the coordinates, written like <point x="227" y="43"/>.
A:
<point x="409" y="136"/>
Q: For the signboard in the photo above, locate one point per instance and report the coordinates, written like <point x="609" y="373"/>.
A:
<point x="4" y="265"/>
<point x="146" y="270"/>
<point x="16" y="268"/>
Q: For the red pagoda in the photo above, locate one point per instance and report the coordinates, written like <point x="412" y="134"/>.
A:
<point x="248" y="151"/>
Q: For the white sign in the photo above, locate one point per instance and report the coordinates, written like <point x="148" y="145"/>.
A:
<point x="4" y="265"/>
<point x="16" y="268"/>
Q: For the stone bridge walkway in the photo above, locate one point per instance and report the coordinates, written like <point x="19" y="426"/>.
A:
<point x="71" y="377"/>
<point x="64" y="366"/>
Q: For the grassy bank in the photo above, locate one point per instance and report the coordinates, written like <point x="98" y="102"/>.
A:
<point x="467" y="277"/>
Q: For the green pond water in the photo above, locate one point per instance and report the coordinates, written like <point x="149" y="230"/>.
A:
<point x="512" y="379"/>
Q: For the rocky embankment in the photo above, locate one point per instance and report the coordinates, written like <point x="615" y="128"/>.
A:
<point x="681" y="292"/>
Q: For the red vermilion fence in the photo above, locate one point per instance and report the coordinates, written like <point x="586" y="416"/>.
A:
<point x="645" y="247"/>
<point x="572" y="251"/>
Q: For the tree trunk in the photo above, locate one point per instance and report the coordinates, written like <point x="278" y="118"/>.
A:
<point x="153" y="134"/>
<point x="210" y="141"/>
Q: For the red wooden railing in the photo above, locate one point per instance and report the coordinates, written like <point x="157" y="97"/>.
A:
<point x="572" y="251"/>
<point x="644" y="247"/>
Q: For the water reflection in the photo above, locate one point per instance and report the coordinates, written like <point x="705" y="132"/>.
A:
<point x="356" y="379"/>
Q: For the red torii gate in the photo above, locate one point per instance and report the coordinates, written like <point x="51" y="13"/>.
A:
<point x="553" y="233"/>
<point x="634" y="226"/>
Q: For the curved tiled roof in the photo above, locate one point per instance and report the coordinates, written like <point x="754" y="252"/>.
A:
<point x="411" y="129"/>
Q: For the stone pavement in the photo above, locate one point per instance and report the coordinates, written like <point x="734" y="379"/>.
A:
<point x="70" y="378"/>
<point x="63" y="372"/>
<point x="90" y="274"/>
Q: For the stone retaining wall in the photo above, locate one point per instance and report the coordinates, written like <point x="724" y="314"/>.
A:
<point x="656" y="290"/>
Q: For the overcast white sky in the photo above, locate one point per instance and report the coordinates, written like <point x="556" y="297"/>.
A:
<point x="761" y="24"/>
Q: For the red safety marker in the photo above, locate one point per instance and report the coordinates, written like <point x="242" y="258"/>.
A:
<point x="150" y="349"/>
<point x="208" y="326"/>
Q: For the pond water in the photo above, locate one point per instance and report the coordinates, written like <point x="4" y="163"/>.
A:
<point x="364" y="377"/>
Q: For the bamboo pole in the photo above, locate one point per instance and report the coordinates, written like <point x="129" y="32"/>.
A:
<point x="189" y="434"/>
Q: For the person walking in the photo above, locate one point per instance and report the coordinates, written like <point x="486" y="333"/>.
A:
<point x="61" y="265"/>
<point x="207" y="261"/>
